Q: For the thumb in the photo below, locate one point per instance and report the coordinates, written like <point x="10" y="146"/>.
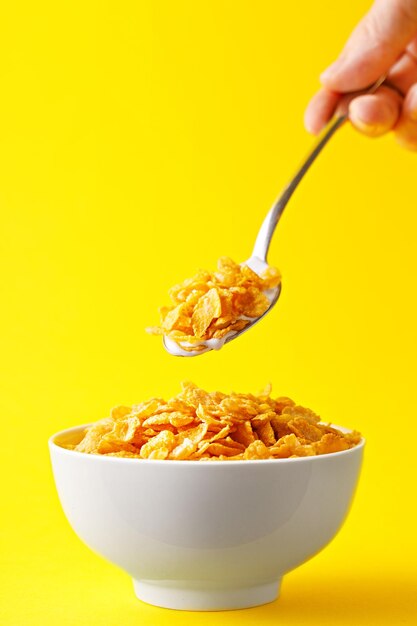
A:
<point x="375" y="44"/>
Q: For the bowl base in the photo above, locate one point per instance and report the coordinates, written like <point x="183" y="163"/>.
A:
<point x="189" y="598"/>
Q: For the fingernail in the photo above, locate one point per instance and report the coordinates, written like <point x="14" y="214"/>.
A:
<point x="372" y="130"/>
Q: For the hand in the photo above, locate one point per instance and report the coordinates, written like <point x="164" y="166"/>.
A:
<point x="385" y="41"/>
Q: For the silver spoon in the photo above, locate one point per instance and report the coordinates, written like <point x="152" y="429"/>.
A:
<point x="257" y="261"/>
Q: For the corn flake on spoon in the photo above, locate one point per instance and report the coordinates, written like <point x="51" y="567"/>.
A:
<point x="258" y="260"/>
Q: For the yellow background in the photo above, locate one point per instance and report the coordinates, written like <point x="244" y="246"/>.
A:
<point x="140" y="141"/>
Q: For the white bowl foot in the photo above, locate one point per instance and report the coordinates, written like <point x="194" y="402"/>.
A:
<point x="189" y="598"/>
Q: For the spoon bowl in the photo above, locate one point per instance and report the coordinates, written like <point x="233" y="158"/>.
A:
<point x="258" y="266"/>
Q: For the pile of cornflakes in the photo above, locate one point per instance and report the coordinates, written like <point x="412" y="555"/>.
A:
<point x="198" y="425"/>
<point x="211" y="304"/>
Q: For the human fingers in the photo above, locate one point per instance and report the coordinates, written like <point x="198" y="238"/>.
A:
<point x="403" y="73"/>
<point x="375" y="44"/>
<point x="376" y="114"/>
<point x="363" y="112"/>
<point x="320" y="109"/>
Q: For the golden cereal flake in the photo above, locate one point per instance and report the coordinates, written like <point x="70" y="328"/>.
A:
<point x="201" y="426"/>
<point x="209" y="305"/>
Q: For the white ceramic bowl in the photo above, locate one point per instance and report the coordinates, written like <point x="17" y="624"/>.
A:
<point x="204" y="535"/>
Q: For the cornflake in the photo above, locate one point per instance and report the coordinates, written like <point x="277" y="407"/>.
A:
<point x="197" y="425"/>
<point x="212" y="304"/>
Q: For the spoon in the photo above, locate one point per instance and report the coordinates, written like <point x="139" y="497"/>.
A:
<point x="258" y="259"/>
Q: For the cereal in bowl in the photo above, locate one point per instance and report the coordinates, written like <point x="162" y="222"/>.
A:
<point x="197" y="425"/>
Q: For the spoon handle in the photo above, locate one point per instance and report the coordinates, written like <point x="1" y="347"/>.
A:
<point x="267" y="229"/>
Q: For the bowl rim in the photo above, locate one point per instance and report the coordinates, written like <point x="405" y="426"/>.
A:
<point x="194" y="462"/>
